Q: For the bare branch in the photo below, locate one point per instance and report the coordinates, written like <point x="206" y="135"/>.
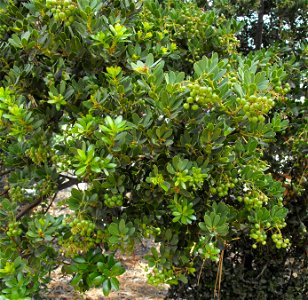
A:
<point x="51" y="202"/>
<point x="68" y="184"/>
<point x="28" y="207"/>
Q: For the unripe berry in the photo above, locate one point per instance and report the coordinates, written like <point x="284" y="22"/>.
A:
<point x="186" y="106"/>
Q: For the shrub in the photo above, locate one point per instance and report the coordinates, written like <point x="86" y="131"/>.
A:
<point x="152" y="107"/>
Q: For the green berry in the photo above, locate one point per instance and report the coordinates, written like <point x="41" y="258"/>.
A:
<point x="186" y="105"/>
<point x="195" y="107"/>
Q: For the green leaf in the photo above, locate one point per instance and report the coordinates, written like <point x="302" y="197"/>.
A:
<point x="96" y="169"/>
<point x="115" y="284"/>
<point x="113" y="239"/>
<point x="278" y="213"/>
<point x="117" y="269"/>
<point x="215" y="219"/>
<point x="15" y="41"/>
<point x="81" y="171"/>
<point x="113" y="229"/>
<point x="222" y="229"/>
<point x="183" y="278"/>
<point x="165" y="186"/>
<point x="82" y="154"/>
<point x="97" y="281"/>
<point x="122" y="226"/>
<point x="100" y="266"/>
<point x="106" y="287"/>
<point x="207" y="221"/>
<point x="202" y="226"/>
<point x="76" y="279"/>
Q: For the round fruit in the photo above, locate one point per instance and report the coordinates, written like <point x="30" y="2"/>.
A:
<point x="186" y="105"/>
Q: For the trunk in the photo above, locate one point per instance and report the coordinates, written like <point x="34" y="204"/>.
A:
<point x="259" y="31"/>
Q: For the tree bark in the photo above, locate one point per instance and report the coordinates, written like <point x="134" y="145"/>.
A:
<point x="259" y="31"/>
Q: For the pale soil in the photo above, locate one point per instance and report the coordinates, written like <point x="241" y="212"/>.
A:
<point x="133" y="283"/>
<point x="133" y="286"/>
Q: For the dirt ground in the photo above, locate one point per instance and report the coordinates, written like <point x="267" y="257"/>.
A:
<point x="133" y="286"/>
<point x="133" y="283"/>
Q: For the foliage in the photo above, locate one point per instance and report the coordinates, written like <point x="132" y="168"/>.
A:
<point x="154" y="109"/>
<point x="248" y="274"/>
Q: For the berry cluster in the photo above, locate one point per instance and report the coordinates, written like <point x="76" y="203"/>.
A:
<point x="253" y="199"/>
<point x="255" y="107"/>
<point x="63" y="10"/>
<point x="46" y="187"/>
<point x="84" y="236"/>
<point x="17" y="194"/>
<point x="62" y="161"/>
<point x="37" y="154"/>
<point x="113" y="201"/>
<point x="229" y="41"/>
<point x="278" y="86"/>
<point x="84" y="228"/>
<point x="191" y="25"/>
<point x="222" y="188"/>
<point x="200" y="96"/>
<point x="280" y="241"/>
<point x="14" y="230"/>
<point x="258" y="233"/>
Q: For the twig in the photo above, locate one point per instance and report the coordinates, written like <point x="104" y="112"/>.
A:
<point x="218" y="276"/>
<point x="51" y="202"/>
<point x="264" y="268"/>
<point x="199" y="275"/>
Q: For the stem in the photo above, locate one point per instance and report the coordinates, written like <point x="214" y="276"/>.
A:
<point x="51" y="202"/>
<point x="218" y="276"/>
<point x="199" y="276"/>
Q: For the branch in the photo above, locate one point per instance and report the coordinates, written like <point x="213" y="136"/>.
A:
<point x="51" y="202"/>
<point x="264" y="268"/>
<point x="3" y="193"/>
<point x="66" y="176"/>
<point x="67" y="184"/>
<point x="5" y="172"/>
<point x="27" y="208"/>
<point x="30" y="206"/>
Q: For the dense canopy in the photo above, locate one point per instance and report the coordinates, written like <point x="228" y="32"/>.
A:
<point x="169" y="120"/>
